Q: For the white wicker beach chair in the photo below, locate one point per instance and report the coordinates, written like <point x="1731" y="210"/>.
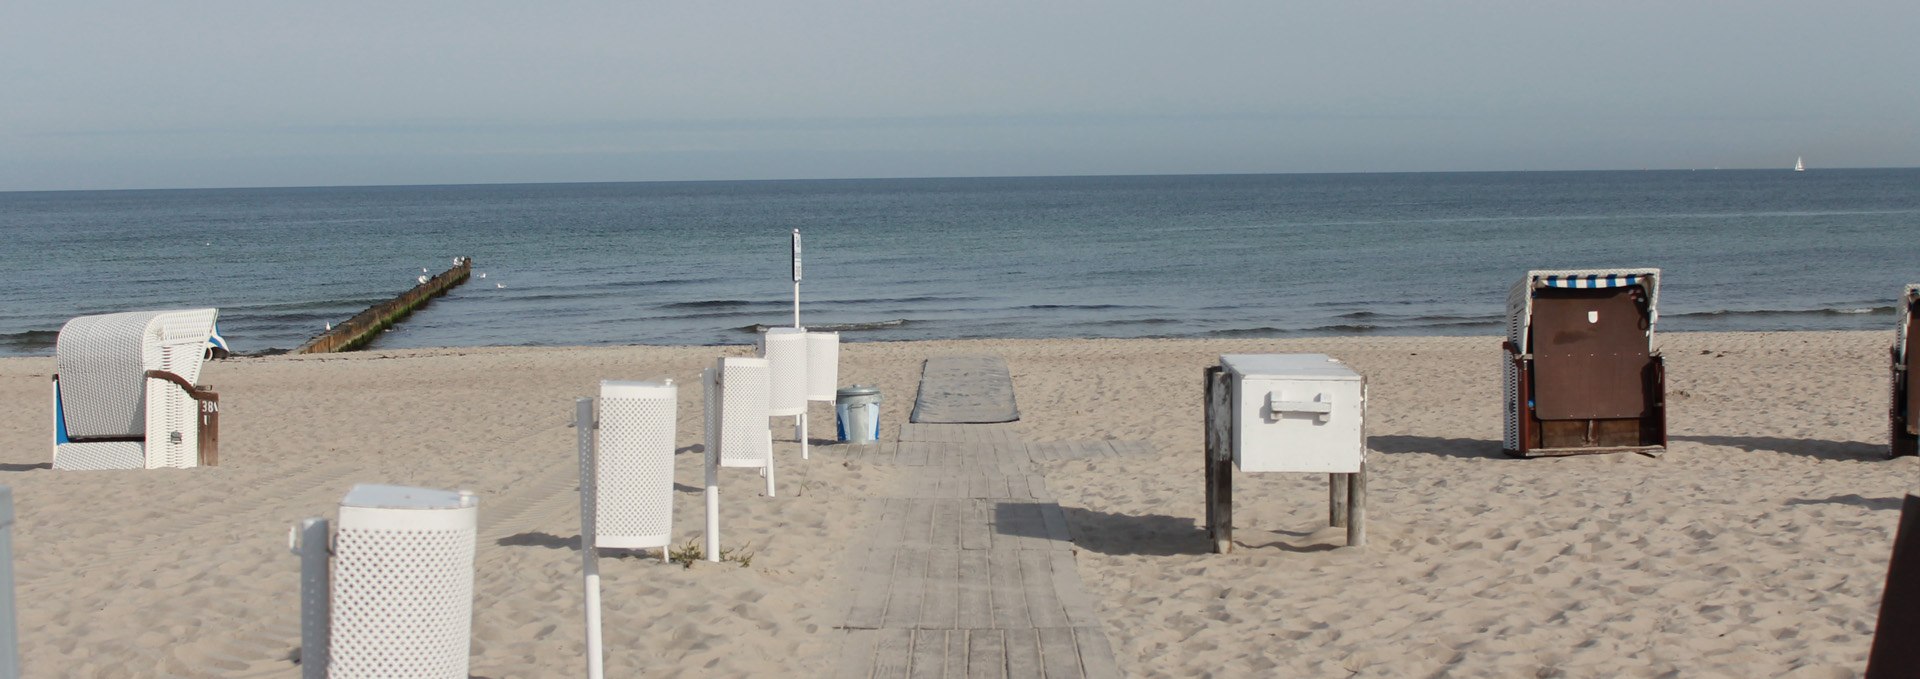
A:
<point x="1581" y="374"/>
<point x="1903" y="407"/>
<point x="124" y="396"/>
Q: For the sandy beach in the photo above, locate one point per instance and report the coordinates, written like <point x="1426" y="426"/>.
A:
<point x="1757" y="546"/>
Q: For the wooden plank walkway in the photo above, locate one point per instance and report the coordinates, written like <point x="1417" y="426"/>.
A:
<point x="971" y="573"/>
<point x="965" y="389"/>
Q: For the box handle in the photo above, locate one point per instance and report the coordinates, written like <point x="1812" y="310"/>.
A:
<point x="1318" y="406"/>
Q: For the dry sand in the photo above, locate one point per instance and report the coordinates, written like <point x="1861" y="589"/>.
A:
<point x="1756" y="547"/>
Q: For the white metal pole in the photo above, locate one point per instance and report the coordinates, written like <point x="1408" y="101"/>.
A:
<point x="769" y="467"/>
<point x="584" y="426"/>
<point x="800" y="432"/>
<point x="311" y="541"/>
<point x="710" y="381"/>
<point x="796" y="278"/>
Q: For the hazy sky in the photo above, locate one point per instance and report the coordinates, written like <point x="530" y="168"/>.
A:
<point x="259" y="93"/>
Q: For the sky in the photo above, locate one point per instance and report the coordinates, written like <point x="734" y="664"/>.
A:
<point x="108" y="95"/>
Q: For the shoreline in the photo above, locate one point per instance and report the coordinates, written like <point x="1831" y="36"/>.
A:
<point x="1756" y="546"/>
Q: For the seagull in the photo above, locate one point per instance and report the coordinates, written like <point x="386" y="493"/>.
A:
<point x="423" y="269"/>
<point x="483" y="274"/>
<point x="329" y="326"/>
<point x="499" y="285"/>
<point x="422" y="279"/>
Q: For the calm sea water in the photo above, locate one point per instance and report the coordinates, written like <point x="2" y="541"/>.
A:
<point x="1186" y="256"/>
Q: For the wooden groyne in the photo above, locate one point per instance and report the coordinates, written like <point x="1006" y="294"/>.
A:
<point x="366" y="325"/>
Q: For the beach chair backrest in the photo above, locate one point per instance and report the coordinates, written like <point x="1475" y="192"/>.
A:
<point x="1591" y="353"/>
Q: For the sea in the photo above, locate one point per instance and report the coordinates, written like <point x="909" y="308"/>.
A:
<point x="701" y="263"/>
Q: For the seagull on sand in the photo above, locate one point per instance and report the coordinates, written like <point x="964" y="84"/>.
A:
<point x="422" y="279"/>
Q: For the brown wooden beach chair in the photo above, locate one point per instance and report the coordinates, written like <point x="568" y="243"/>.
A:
<point x="1581" y="373"/>
<point x="1903" y="408"/>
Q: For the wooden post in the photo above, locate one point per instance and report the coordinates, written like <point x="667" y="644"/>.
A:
<point x="1357" y="507"/>
<point x="1219" y="424"/>
<point x="1336" y="499"/>
<point x="209" y="404"/>
<point x="1896" y="637"/>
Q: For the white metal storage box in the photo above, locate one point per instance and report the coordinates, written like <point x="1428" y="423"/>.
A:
<point x="1296" y="413"/>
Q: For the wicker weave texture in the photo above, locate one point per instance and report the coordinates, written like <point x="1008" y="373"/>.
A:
<point x="102" y="365"/>
<point x="100" y="455"/>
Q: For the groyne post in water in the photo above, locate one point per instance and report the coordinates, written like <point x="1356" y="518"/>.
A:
<point x="366" y="325"/>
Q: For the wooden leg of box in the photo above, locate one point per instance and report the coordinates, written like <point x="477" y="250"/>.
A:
<point x="1223" y="510"/>
<point x="1336" y="499"/>
<point x="1357" y="508"/>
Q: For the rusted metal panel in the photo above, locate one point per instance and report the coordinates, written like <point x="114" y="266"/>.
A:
<point x="1591" y="354"/>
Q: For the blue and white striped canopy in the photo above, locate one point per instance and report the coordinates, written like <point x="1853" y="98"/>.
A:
<point x="1591" y="281"/>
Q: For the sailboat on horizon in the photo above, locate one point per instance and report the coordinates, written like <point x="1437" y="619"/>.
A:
<point x="1799" y="164"/>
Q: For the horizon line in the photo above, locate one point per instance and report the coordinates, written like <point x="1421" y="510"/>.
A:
<point x="939" y="177"/>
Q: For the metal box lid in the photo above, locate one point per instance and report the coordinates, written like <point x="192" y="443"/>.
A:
<point x="1288" y="366"/>
<point x="379" y="496"/>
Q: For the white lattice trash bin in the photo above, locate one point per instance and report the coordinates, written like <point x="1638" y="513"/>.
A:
<point x="633" y="476"/>
<point x="399" y="601"/>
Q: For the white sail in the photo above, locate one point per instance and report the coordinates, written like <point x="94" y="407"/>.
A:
<point x="1799" y="165"/>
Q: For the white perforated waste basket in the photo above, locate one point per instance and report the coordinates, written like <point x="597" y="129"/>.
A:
<point x="823" y="365"/>
<point x="402" y="599"/>
<point x="743" y="437"/>
<point x="1296" y="413"/>
<point x="786" y="352"/>
<point x="633" y="479"/>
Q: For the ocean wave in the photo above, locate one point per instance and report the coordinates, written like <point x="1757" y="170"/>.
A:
<point x="836" y="327"/>
<point x="1078" y="307"/>
<point x="1244" y="332"/>
<point x="1848" y="310"/>
<point x="30" y="340"/>
<point x="720" y="304"/>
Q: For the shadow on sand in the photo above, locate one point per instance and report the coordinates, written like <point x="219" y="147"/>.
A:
<point x="1851" y="499"/>
<point x="1469" y="448"/>
<point x="1818" y="448"/>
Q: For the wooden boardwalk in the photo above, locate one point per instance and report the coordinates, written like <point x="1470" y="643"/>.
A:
<point x="971" y="573"/>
